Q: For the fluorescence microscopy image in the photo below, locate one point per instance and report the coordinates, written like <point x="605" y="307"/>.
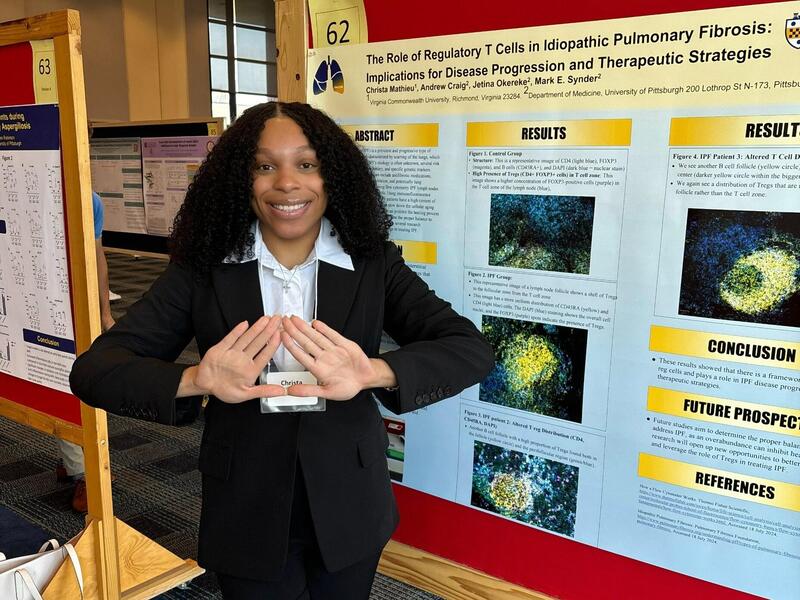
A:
<point x="524" y="487"/>
<point x="742" y="266"/>
<point x="538" y="368"/>
<point x="546" y="233"/>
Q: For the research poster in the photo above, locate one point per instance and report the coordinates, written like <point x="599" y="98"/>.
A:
<point x="617" y="208"/>
<point x="37" y="340"/>
<point x="168" y="166"/>
<point x="116" y="165"/>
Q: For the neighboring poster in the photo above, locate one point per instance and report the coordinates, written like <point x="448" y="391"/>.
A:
<point x="117" y="178"/>
<point x="37" y="340"/>
<point x="617" y="208"/>
<point x="168" y="166"/>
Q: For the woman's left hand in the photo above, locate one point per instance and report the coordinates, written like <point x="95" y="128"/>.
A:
<point x="340" y="365"/>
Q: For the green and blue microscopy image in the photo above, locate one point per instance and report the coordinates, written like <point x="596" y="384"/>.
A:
<point x="538" y="368"/>
<point x="742" y="266"/>
<point x="545" y="233"/>
<point x="524" y="487"/>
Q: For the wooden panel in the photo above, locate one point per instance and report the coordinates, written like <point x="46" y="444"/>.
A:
<point x="103" y="43"/>
<point x="445" y="578"/>
<point x="291" y="24"/>
<point x="199" y="74"/>
<point x="11" y="10"/>
<point x="141" y="59"/>
<point x="172" y="61"/>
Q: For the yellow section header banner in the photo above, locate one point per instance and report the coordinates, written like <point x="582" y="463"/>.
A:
<point x="417" y="252"/>
<point x="724" y="483"/>
<point x="588" y="132"/>
<point x="736" y="131"/>
<point x="762" y="417"/>
<point x="734" y="348"/>
<point x="419" y="135"/>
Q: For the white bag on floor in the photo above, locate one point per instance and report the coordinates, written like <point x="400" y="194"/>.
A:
<point x="25" y="577"/>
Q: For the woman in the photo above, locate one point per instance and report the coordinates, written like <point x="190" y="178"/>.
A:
<point x="283" y="218"/>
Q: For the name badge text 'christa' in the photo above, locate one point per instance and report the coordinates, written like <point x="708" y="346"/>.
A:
<point x="287" y="402"/>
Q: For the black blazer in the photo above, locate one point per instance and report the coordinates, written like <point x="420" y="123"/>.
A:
<point x="248" y="459"/>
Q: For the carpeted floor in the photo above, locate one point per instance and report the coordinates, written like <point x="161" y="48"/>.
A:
<point x="157" y="485"/>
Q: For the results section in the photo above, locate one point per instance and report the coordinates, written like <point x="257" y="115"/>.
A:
<point x="542" y="237"/>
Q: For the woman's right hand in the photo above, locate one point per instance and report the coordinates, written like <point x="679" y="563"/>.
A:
<point x="229" y="368"/>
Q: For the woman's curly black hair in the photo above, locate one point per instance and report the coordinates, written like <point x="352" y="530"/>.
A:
<point x="214" y="221"/>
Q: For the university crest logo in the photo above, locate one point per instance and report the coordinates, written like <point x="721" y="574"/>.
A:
<point x="793" y="31"/>
<point x="328" y="70"/>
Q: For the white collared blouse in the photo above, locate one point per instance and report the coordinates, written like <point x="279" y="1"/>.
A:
<point x="287" y="291"/>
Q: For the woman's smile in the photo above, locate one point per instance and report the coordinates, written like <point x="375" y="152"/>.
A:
<point x="290" y="209"/>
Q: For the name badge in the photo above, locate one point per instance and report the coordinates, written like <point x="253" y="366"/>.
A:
<point x="287" y="379"/>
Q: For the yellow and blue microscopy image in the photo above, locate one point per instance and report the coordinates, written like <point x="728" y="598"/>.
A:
<point x="537" y="491"/>
<point x="538" y="368"/>
<point x="543" y="233"/>
<point x="742" y="266"/>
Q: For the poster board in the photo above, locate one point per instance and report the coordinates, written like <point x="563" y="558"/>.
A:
<point x="26" y="269"/>
<point x="49" y="304"/>
<point x="496" y="139"/>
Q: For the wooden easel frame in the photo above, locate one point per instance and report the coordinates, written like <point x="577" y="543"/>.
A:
<point x="117" y="561"/>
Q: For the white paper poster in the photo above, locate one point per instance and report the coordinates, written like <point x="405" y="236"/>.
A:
<point x="117" y="178"/>
<point x="168" y="166"/>
<point x="37" y="340"/>
<point x="619" y="213"/>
